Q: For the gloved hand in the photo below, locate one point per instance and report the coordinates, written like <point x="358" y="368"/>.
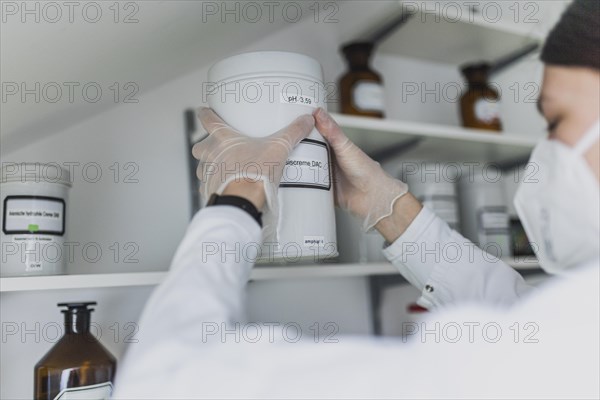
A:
<point x="362" y="187"/>
<point x="226" y="155"/>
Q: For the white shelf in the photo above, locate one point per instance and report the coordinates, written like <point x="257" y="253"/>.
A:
<point x="262" y="273"/>
<point x="15" y="284"/>
<point x="436" y="142"/>
<point x="447" y="34"/>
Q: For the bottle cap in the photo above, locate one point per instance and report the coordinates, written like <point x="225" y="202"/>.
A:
<point x="78" y="306"/>
<point x="352" y="48"/>
<point x="470" y="69"/>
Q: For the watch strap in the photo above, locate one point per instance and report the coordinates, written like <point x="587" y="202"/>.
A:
<point x="236" y="201"/>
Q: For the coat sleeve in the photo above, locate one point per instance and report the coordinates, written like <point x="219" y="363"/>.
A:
<point x="449" y="268"/>
<point x="204" y="287"/>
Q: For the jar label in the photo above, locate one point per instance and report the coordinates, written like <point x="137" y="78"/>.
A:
<point x="314" y="241"/>
<point x="487" y="111"/>
<point x="368" y="96"/>
<point x="308" y="166"/>
<point x="303" y="100"/>
<point x="102" y="391"/>
<point x="33" y="215"/>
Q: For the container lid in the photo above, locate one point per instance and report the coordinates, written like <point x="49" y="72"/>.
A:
<point x="358" y="47"/>
<point x="265" y="62"/>
<point x="476" y="70"/>
<point x="75" y="307"/>
<point x="34" y="172"/>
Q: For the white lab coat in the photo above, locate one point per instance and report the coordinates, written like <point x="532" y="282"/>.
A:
<point x="449" y="269"/>
<point x="178" y="357"/>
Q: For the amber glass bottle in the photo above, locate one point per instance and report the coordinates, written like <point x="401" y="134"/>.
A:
<point x="78" y="366"/>
<point x="361" y="88"/>
<point x="480" y="105"/>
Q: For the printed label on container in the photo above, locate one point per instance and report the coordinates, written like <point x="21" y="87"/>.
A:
<point x="34" y="215"/>
<point x="494" y="220"/>
<point x="487" y="111"/>
<point x="314" y="241"/>
<point x="368" y="96"/>
<point x="298" y="99"/>
<point x="308" y="166"/>
<point x="37" y="252"/>
<point x="102" y="391"/>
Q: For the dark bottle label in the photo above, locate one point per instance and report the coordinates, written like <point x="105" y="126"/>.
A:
<point x="101" y="391"/>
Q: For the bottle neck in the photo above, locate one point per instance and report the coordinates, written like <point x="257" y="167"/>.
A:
<point x="77" y="322"/>
<point x="477" y="79"/>
<point x="359" y="61"/>
<point x="478" y="84"/>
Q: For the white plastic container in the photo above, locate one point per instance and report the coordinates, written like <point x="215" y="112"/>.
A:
<point x="258" y="94"/>
<point x="434" y="184"/>
<point x="485" y="219"/>
<point x="33" y="211"/>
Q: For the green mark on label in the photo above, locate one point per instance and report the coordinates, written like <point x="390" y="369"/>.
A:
<point x="33" y="228"/>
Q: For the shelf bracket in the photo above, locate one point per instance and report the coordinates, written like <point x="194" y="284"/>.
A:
<point x="377" y="284"/>
<point x="512" y="58"/>
<point x="190" y="140"/>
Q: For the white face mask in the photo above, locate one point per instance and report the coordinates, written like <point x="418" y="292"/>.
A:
<point x="559" y="204"/>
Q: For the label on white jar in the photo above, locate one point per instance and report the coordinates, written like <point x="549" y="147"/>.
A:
<point x="34" y="215"/>
<point x="487" y="111"/>
<point x="102" y="391"/>
<point x="308" y="166"/>
<point x="368" y="96"/>
<point x="298" y="99"/>
<point x="314" y="241"/>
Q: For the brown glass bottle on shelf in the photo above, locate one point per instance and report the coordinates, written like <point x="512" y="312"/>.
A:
<point x="480" y="105"/>
<point x="77" y="366"/>
<point x="361" y="88"/>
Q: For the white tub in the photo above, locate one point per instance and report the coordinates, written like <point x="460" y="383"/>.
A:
<point x="258" y="94"/>
<point x="33" y="212"/>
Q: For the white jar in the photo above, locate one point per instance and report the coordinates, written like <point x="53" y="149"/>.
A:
<point x="258" y="94"/>
<point x="485" y="219"/>
<point x="434" y="184"/>
<point x="33" y="211"/>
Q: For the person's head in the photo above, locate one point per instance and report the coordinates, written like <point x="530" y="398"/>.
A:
<point x="560" y="209"/>
<point x="570" y="95"/>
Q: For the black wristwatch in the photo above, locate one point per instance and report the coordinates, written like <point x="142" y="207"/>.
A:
<point x="236" y="201"/>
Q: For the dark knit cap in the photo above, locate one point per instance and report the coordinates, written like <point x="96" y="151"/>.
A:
<point x="575" y="40"/>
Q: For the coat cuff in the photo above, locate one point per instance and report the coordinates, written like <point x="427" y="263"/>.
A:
<point x="404" y="253"/>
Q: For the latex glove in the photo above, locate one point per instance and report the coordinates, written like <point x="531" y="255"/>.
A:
<point x="226" y="155"/>
<point x="361" y="186"/>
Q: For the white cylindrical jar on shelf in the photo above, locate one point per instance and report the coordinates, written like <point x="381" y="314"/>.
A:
<point x="258" y="94"/>
<point x="434" y="184"/>
<point x="33" y="211"/>
<point x="485" y="219"/>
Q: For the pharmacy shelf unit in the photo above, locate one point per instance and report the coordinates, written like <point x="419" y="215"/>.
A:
<point x="422" y="140"/>
<point x="373" y="136"/>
